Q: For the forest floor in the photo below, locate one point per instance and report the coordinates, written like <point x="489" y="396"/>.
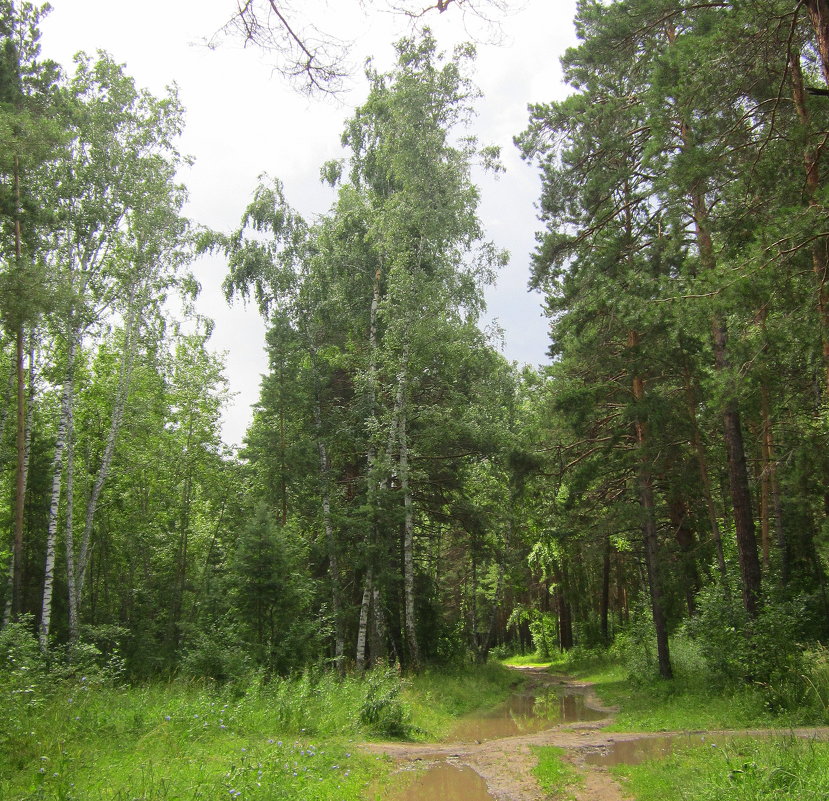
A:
<point x="507" y="764"/>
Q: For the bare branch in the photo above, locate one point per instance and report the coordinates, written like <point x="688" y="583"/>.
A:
<point x="312" y="57"/>
<point x="313" y="60"/>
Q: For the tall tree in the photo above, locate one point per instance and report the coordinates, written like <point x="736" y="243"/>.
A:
<point x="27" y="104"/>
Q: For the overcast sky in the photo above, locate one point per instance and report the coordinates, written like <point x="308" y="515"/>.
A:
<point x="243" y="119"/>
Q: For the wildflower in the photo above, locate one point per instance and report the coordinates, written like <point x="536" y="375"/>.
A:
<point x="279" y="743"/>
<point x="166" y="717"/>
<point x="270" y="742"/>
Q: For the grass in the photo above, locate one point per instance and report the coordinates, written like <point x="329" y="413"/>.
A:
<point x="291" y="739"/>
<point x="527" y="660"/>
<point x="435" y="699"/>
<point x="689" y="702"/>
<point x="744" y="770"/>
<point x="555" y="776"/>
<point x="190" y="742"/>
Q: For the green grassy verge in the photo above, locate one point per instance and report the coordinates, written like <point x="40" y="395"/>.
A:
<point x="291" y="739"/>
<point x="286" y="740"/>
<point x="435" y="699"/>
<point x="686" y="703"/>
<point x="744" y="770"/>
<point x="527" y="660"/>
<point x="555" y="776"/>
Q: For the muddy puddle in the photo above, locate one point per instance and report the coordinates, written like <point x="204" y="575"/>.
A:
<point x="634" y="752"/>
<point x="445" y="782"/>
<point x="524" y="713"/>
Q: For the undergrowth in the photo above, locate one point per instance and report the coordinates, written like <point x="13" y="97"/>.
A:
<point x="77" y="732"/>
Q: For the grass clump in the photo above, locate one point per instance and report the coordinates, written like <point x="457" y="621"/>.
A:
<point x="744" y="770"/>
<point x="555" y="776"/>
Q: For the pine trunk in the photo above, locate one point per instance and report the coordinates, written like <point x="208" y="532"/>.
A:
<point x="684" y="536"/>
<point x="408" y="529"/>
<point x="333" y="564"/>
<point x="818" y="10"/>
<point x="646" y="502"/>
<point x="604" y="608"/>
<point x="732" y="430"/>
<point x="705" y="479"/>
<point x="565" y="616"/>
<point x="819" y="16"/>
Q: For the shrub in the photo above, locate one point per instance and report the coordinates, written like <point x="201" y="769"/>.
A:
<point x="216" y="656"/>
<point x="24" y="678"/>
<point x="382" y="709"/>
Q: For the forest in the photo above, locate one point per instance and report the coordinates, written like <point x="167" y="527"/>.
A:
<point x="408" y="500"/>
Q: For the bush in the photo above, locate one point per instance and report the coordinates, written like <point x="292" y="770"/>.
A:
<point x="382" y="708"/>
<point x="635" y="646"/>
<point x="764" y="651"/>
<point x="216" y="656"/>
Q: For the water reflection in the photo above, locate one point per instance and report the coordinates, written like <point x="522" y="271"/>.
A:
<point x="445" y="782"/>
<point x="634" y="752"/>
<point x="525" y="714"/>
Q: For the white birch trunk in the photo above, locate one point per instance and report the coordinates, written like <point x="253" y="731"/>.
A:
<point x="67" y="400"/>
<point x="78" y="578"/>
<point x="70" y="539"/>
<point x="22" y="481"/>
<point x="362" y="629"/>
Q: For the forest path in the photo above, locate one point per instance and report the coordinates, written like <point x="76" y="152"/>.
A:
<point x="506" y="763"/>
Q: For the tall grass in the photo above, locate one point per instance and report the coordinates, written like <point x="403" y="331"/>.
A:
<point x="189" y="740"/>
<point x="79" y="734"/>
<point x="436" y="698"/>
<point x="782" y="769"/>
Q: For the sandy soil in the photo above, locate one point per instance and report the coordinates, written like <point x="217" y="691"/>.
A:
<point x="506" y="764"/>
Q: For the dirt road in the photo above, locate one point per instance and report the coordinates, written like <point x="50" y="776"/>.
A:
<point x="506" y="764"/>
